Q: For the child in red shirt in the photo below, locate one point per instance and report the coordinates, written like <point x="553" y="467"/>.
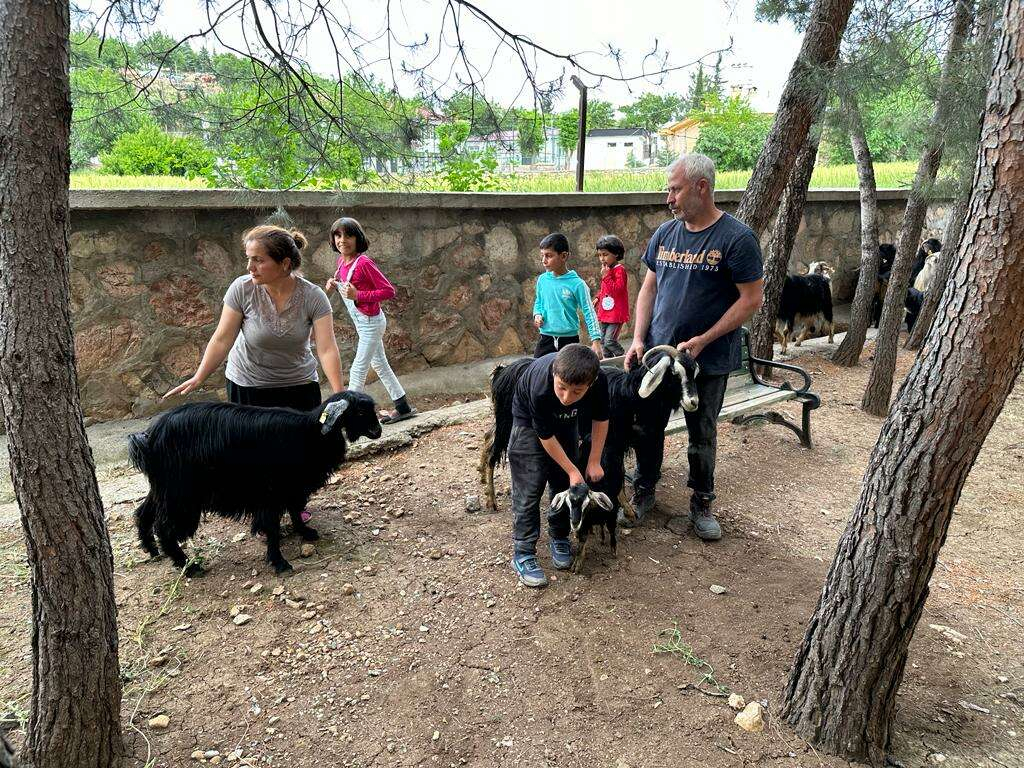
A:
<point x="612" y="301"/>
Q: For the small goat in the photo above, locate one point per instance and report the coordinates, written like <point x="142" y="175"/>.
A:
<point x="579" y="499"/>
<point x="241" y="462"/>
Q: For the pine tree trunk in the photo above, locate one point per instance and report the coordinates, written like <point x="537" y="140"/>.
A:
<point x="985" y="38"/>
<point x="954" y="228"/>
<point x="76" y="691"/>
<point x="879" y="387"/>
<point x="780" y="246"/>
<point x="798" y="109"/>
<point x="842" y="689"/>
<point x="852" y="344"/>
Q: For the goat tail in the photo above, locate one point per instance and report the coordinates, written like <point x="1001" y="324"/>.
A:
<point x="138" y="446"/>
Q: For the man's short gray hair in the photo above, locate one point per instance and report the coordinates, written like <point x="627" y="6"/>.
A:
<point x="696" y="167"/>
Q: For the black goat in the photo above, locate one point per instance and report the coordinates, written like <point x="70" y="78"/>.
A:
<point x="241" y="462"/>
<point x="806" y="301"/>
<point x="886" y="257"/>
<point x="912" y="301"/>
<point x="588" y="508"/>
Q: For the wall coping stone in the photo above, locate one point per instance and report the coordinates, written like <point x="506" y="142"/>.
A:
<point x="151" y="199"/>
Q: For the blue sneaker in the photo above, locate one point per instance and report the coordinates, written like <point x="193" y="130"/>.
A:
<point x="530" y="573"/>
<point x="561" y="553"/>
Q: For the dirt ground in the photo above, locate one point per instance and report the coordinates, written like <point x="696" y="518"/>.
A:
<point x="404" y="640"/>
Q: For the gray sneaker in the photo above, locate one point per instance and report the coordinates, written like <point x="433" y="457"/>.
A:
<point x="704" y="523"/>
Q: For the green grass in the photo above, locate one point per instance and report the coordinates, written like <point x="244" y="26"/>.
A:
<point x="85" y="180"/>
<point x="887" y="176"/>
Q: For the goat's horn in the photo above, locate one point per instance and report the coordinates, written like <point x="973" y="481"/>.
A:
<point x="653" y="377"/>
<point x="668" y="349"/>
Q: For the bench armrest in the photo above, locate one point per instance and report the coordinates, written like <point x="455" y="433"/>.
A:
<point x="753" y="362"/>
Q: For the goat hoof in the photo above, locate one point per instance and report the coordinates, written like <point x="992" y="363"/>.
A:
<point x="309" y="534"/>
<point x="282" y="567"/>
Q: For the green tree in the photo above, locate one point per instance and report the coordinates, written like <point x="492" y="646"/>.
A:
<point x="600" y="114"/>
<point x="732" y="133"/>
<point x="464" y="170"/>
<point x="151" y="151"/>
<point x="702" y="86"/>
<point x="105" y="107"/>
<point x="651" y="111"/>
<point x="530" y="133"/>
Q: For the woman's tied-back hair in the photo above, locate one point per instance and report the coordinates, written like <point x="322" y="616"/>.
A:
<point x="576" y="364"/>
<point x="613" y="245"/>
<point x="557" y="242"/>
<point x="278" y="242"/>
<point x="350" y="228"/>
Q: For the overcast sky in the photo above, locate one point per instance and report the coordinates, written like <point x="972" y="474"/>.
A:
<point x="760" y="57"/>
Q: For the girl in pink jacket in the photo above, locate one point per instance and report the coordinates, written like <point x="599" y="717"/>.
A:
<point x="363" y="287"/>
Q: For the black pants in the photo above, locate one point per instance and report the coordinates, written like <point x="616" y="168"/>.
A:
<point x="531" y="470"/>
<point x="548" y="344"/>
<point x="301" y="397"/>
<point x="702" y="427"/>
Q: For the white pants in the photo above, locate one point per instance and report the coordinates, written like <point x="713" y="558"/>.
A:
<point x="370" y="352"/>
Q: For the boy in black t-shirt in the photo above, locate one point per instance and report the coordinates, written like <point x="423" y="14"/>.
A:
<point x="549" y="398"/>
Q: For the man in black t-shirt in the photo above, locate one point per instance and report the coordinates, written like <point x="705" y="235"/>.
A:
<point x="552" y="394"/>
<point x="704" y="282"/>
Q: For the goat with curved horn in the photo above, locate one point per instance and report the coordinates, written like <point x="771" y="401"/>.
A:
<point x="683" y="365"/>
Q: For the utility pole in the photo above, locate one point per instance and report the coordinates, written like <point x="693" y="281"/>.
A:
<point x="581" y="132"/>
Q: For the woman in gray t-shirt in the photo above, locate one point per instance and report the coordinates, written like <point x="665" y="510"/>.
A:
<point x="265" y="326"/>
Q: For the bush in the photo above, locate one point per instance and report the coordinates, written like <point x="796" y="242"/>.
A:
<point x="151" y="151"/>
<point x="731" y="132"/>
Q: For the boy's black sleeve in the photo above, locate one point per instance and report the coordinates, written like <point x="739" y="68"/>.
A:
<point x="540" y="414"/>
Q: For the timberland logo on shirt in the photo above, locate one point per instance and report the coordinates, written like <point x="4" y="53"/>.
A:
<point x="704" y="261"/>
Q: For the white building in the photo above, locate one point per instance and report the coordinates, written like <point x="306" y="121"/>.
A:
<point x="611" y="148"/>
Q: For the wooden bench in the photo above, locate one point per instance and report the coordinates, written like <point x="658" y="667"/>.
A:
<point x="747" y="395"/>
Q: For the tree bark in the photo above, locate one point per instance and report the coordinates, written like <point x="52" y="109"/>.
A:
<point x="76" y="691"/>
<point x="842" y="689"/>
<point x="798" y="109"/>
<point x="957" y="216"/>
<point x="954" y="228"/>
<point x="852" y="344"/>
<point x="879" y="387"/>
<point x="780" y="246"/>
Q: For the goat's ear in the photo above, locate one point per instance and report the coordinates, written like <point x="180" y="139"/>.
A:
<point x="653" y="377"/>
<point x="330" y="414"/>
<point x="602" y="500"/>
<point x="559" y="499"/>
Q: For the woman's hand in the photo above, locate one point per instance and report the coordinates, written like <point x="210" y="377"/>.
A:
<point x="185" y="387"/>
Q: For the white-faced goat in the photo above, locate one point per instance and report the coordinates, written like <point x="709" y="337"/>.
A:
<point x="241" y="462"/>
<point x="640" y="404"/>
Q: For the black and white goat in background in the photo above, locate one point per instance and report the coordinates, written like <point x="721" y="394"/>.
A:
<point x="640" y="403"/>
<point x="241" y="462"/>
<point x="806" y="303"/>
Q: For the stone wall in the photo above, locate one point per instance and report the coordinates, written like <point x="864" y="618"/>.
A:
<point x="149" y="269"/>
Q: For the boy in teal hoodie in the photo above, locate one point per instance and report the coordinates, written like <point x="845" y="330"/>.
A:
<point x="561" y="295"/>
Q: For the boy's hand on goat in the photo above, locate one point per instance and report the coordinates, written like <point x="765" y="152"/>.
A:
<point x="634" y="355"/>
<point x="575" y="478"/>
<point x="595" y="471"/>
<point x="184" y="388"/>
<point x="538" y="320"/>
